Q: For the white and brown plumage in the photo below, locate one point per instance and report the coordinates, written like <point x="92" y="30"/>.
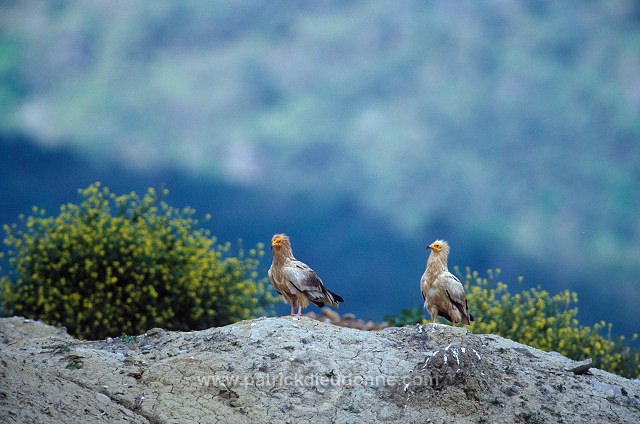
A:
<point x="295" y="280"/>
<point x="442" y="292"/>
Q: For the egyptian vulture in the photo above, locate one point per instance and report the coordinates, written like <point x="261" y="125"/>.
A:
<point x="442" y="292"/>
<point x="295" y="280"/>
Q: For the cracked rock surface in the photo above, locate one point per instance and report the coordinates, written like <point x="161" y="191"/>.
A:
<point x="286" y="370"/>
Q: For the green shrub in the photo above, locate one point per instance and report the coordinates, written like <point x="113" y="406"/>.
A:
<point x="535" y="318"/>
<point x="411" y="316"/>
<point x="116" y="265"/>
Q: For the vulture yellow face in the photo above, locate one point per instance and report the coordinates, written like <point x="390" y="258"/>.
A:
<point x="278" y="240"/>
<point x="436" y="246"/>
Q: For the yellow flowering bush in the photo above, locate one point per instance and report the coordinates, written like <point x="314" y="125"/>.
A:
<point x="116" y="265"/>
<point x="535" y="318"/>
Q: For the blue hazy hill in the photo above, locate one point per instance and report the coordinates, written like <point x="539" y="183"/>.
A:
<point x="357" y="254"/>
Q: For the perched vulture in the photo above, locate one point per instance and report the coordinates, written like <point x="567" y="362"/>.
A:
<point x="442" y="292"/>
<point x="295" y="280"/>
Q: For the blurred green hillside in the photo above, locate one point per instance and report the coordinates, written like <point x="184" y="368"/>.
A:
<point x="510" y="128"/>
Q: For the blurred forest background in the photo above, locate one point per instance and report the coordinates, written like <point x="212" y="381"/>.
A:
<point x="363" y="129"/>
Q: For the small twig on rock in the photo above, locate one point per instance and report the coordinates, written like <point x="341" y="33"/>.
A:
<point x="582" y="367"/>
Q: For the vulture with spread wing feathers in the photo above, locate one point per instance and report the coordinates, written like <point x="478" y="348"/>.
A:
<point x="442" y="292"/>
<point x="295" y="280"/>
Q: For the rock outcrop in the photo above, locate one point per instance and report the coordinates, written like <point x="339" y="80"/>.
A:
<point x="286" y="369"/>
